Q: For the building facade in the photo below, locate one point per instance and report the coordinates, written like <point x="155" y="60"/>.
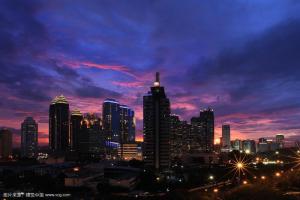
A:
<point x="29" y="138"/>
<point x="5" y="144"/>
<point x="75" y="126"/>
<point x="59" y="133"/>
<point x="203" y="131"/>
<point x="280" y="140"/>
<point x="249" y="146"/>
<point x="156" y="113"/>
<point x="91" y="138"/>
<point x="237" y="145"/>
<point x="226" y="146"/>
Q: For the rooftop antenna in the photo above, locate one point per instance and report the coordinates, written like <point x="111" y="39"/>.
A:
<point x="156" y="83"/>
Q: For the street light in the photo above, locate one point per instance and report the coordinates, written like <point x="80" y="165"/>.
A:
<point x="277" y="174"/>
<point x="245" y="182"/>
<point x="211" y="177"/>
<point x="239" y="165"/>
<point x="263" y="177"/>
<point x="76" y="169"/>
<point x="216" y="190"/>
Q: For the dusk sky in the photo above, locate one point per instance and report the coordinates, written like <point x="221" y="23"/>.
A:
<point x="241" y="58"/>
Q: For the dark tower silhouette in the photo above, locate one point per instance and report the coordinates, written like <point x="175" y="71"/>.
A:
<point x="29" y="138"/>
<point x="75" y="124"/>
<point x="59" y="125"/>
<point x="156" y="107"/>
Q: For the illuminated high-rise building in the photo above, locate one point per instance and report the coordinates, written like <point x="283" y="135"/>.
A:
<point x="111" y="126"/>
<point x="75" y="124"/>
<point x="111" y="119"/>
<point x="91" y="138"/>
<point x="127" y="127"/>
<point x="237" y="145"/>
<point x="131" y="124"/>
<point x="280" y="140"/>
<point x="203" y="131"/>
<point x="59" y="134"/>
<point x="29" y="138"/>
<point x="5" y="144"/>
<point x="175" y="136"/>
<point x="156" y="112"/>
<point x="249" y="146"/>
<point x="226" y="146"/>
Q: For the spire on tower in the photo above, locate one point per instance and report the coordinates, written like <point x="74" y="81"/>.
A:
<point x="156" y="83"/>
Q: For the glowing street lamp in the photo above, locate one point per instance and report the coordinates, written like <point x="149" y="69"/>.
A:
<point x="211" y="177"/>
<point x="277" y="174"/>
<point x="76" y="169"/>
<point x="239" y="165"/>
<point x="216" y="190"/>
<point x="263" y="177"/>
<point x="245" y="182"/>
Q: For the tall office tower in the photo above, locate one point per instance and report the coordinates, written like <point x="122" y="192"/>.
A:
<point x="175" y="136"/>
<point x="196" y="140"/>
<point x="280" y="140"/>
<point x="226" y="146"/>
<point x="249" y="146"/>
<point x="186" y="137"/>
<point x="156" y="112"/>
<point x="131" y="133"/>
<point x="208" y="122"/>
<point x="59" y="125"/>
<point x="124" y="123"/>
<point x="75" y="124"/>
<point x="111" y="119"/>
<point x="127" y="127"/>
<point x="91" y="138"/>
<point x="29" y="138"/>
<point x="5" y="144"/>
<point x="203" y="131"/>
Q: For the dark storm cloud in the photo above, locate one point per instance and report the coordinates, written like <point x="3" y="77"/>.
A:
<point x="272" y="58"/>
<point x="91" y="91"/>
<point x="25" y="81"/>
<point x="21" y="32"/>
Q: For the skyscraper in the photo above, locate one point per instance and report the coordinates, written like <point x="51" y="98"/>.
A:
<point x="91" y="142"/>
<point x="175" y="136"/>
<point x="208" y="121"/>
<point x="75" y="124"/>
<point x="29" y="138"/>
<point x="156" y="112"/>
<point x="59" y="124"/>
<point x="127" y="126"/>
<point x="131" y="124"/>
<point x="124" y="123"/>
<point x="111" y="119"/>
<point x="111" y="126"/>
<point x="226" y="146"/>
<point x="5" y="144"/>
<point x="203" y="131"/>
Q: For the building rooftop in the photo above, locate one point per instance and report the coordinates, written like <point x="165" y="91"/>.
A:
<point x="59" y="99"/>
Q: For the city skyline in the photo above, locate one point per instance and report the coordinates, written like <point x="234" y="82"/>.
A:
<point x="244" y="65"/>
